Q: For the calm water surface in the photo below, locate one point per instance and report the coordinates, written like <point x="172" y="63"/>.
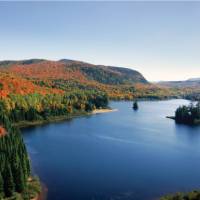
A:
<point x="123" y="155"/>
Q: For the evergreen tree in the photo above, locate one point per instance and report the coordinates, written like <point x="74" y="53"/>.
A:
<point x="25" y="165"/>
<point x="20" y="181"/>
<point x="8" y="181"/>
<point x="18" y="175"/>
<point x="1" y="187"/>
<point x="188" y="114"/>
<point x="135" y="105"/>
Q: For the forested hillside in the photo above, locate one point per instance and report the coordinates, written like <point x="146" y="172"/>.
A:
<point x="13" y="84"/>
<point x="68" y="70"/>
<point x="189" y="88"/>
<point x="58" y="77"/>
<point x="15" y="180"/>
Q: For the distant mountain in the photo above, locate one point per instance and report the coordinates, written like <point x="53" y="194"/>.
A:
<point x="193" y="82"/>
<point x="194" y="79"/>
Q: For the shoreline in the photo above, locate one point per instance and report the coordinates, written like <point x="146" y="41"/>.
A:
<point x="196" y="122"/>
<point x="170" y="117"/>
<point x="24" y="124"/>
<point x="98" y="111"/>
<point x="43" y="194"/>
<point x="44" y="190"/>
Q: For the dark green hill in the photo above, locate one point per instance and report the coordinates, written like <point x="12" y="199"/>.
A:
<point x="107" y="74"/>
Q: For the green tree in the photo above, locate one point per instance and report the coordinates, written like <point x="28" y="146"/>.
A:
<point x="20" y="181"/>
<point x="8" y="181"/>
<point x="188" y="114"/>
<point x="135" y="105"/>
<point x="1" y="187"/>
<point x="18" y="174"/>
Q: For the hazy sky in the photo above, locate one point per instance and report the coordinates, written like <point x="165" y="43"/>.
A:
<point x="160" y="39"/>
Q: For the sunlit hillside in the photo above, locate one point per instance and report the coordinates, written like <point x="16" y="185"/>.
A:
<point x="43" y="76"/>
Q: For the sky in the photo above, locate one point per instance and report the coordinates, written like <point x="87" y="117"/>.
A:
<point x="159" y="39"/>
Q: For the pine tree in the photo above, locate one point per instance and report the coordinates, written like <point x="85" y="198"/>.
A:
<point x="25" y="165"/>
<point x="14" y="162"/>
<point x="8" y="181"/>
<point x="1" y="187"/>
<point x="20" y="181"/>
<point x="18" y="175"/>
<point x="135" y="105"/>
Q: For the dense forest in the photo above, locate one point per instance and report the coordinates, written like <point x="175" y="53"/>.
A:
<point x="15" y="180"/>
<point x="38" y="107"/>
<point x="188" y="114"/>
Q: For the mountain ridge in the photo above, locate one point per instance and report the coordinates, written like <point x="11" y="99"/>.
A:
<point x="119" y="75"/>
<point x="70" y="76"/>
<point x="193" y="79"/>
<point x="192" y="82"/>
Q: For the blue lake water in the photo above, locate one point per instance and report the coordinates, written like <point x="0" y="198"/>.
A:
<point x="123" y="155"/>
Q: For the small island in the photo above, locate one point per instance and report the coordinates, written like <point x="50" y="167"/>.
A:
<point x="135" y="105"/>
<point x="189" y="115"/>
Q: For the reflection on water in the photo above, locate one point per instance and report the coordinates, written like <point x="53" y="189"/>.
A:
<point x="118" y="155"/>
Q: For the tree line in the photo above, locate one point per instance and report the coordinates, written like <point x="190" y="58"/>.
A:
<point x="33" y="107"/>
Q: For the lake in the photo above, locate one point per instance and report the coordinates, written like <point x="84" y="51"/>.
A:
<point x="122" y="155"/>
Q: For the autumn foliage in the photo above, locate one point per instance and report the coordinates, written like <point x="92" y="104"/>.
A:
<point x="48" y="70"/>
<point x="12" y="84"/>
<point x="66" y="76"/>
<point x="2" y="131"/>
